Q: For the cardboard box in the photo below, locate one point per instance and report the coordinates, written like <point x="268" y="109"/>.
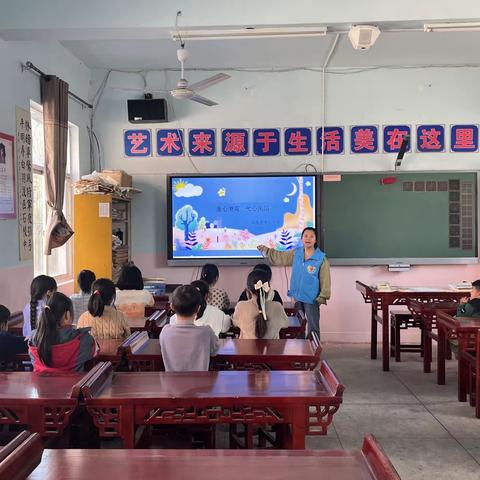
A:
<point x="117" y="176"/>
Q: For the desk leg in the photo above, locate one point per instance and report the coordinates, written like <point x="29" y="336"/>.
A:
<point x="427" y="345"/>
<point x="442" y="340"/>
<point x="299" y="429"/>
<point x="463" y="371"/>
<point x="127" y="423"/>
<point x="373" y="340"/>
<point x="385" y="342"/>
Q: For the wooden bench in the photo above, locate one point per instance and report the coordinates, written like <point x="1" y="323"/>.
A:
<point x="425" y="312"/>
<point x="403" y="320"/>
<point x="23" y="457"/>
<point x="305" y="401"/>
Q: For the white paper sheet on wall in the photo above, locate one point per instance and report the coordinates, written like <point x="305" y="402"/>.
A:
<point x="104" y="210"/>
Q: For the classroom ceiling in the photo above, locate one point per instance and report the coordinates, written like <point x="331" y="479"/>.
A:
<point x="391" y="48"/>
<point x="119" y="34"/>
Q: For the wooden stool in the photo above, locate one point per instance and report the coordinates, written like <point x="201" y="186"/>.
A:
<point x="402" y="320"/>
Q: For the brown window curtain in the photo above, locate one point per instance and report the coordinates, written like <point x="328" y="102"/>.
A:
<point x="55" y="124"/>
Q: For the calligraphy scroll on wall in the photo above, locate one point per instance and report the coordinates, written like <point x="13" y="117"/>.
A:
<point x="24" y="183"/>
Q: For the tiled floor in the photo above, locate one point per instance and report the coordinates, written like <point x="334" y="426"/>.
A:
<point x="422" y="427"/>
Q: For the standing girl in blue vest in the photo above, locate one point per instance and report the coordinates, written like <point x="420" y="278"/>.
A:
<point x="310" y="279"/>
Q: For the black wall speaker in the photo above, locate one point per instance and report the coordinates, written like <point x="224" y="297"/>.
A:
<point x="147" y="111"/>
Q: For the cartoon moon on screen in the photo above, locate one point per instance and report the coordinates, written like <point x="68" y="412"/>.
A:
<point x="227" y="217"/>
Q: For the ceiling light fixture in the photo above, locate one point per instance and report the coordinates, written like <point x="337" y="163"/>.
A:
<point x="249" y="32"/>
<point x="452" y="27"/>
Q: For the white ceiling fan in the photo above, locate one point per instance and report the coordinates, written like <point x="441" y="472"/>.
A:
<point x="184" y="91"/>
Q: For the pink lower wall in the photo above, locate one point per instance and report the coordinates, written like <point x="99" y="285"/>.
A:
<point x="15" y="287"/>
<point x="346" y="317"/>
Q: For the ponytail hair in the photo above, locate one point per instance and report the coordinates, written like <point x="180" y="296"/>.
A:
<point x="38" y="288"/>
<point x="253" y="278"/>
<point x="203" y="288"/>
<point x="46" y="334"/>
<point x="103" y="293"/>
<point x="209" y="273"/>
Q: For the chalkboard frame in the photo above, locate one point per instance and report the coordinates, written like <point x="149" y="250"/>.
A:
<point x="386" y="261"/>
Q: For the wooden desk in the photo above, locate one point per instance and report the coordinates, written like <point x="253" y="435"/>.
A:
<point x="464" y="329"/>
<point x="144" y="354"/>
<point x="152" y="324"/>
<point x="292" y="354"/>
<point x="381" y="302"/>
<point x="114" y="351"/>
<point x="306" y="401"/>
<point x="110" y="351"/>
<point x="138" y="324"/>
<point x="43" y="402"/>
<point x="15" y="323"/>
<point x="426" y="313"/>
<point x="160" y="305"/>
<point x="23" y="456"/>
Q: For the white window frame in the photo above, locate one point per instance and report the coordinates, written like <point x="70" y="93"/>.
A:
<point x="42" y="266"/>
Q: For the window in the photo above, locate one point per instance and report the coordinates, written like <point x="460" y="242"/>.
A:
<point x="59" y="263"/>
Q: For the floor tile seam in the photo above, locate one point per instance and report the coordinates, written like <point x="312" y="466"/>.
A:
<point x="338" y="436"/>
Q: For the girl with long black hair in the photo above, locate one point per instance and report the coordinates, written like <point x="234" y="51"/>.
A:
<point x="41" y="288"/>
<point x="259" y="317"/>
<point x="56" y="346"/>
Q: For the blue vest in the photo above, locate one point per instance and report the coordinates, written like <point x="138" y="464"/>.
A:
<point x="304" y="282"/>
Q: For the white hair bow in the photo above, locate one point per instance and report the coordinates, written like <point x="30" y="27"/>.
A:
<point x="264" y="288"/>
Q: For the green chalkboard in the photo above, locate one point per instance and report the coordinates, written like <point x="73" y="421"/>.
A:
<point x="419" y="216"/>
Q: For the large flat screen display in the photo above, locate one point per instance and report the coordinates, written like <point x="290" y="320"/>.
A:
<point x="226" y="217"/>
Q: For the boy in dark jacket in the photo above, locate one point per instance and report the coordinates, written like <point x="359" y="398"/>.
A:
<point x="10" y="344"/>
<point x="470" y="307"/>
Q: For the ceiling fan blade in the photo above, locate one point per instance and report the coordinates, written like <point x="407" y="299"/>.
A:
<point x="208" y="82"/>
<point x="203" y="100"/>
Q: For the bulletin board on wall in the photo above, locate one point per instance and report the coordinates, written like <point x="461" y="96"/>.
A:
<point x="416" y="218"/>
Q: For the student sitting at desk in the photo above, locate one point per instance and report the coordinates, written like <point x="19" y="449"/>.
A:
<point x="80" y="299"/>
<point x="131" y="297"/>
<point x="470" y="307"/>
<point x="56" y="346"/>
<point x="41" y="288"/>
<point x="216" y="296"/>
<point x="104" y="319"/>
<point x="208" y="314"/>
<point x="185" y="346"/>
<point x="10" y="344"/>
<point x="259" y="317"/>
<point x="272" y="294"/>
